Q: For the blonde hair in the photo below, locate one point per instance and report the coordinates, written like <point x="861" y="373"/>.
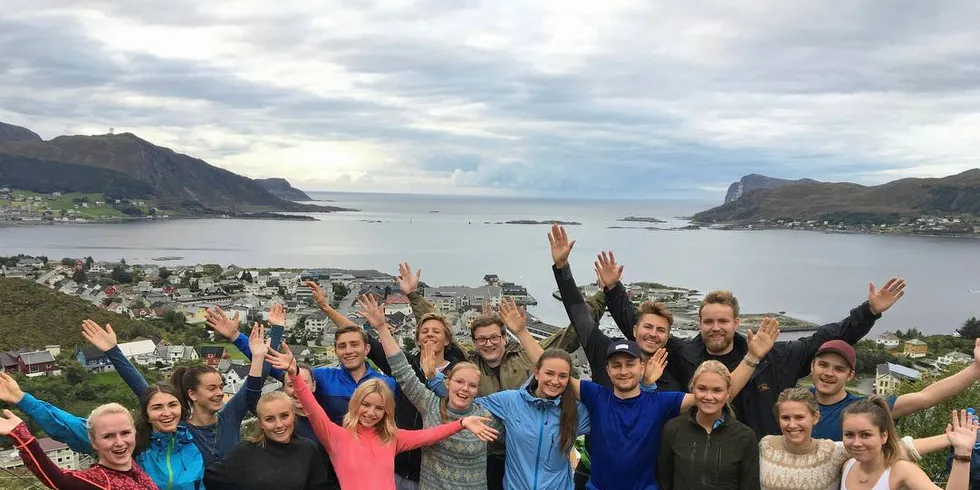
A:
<point x="651" y="307"/>
<point x="713" y="366"/>
<point x="444" y="403"/>
<point x="107" y="409"/>
<point x="386" y="426"/>
<point x="725" y="298"/>
<point x="799" y="395"/>
<point x="447" y="330"/>
<point x="256" y="434"/>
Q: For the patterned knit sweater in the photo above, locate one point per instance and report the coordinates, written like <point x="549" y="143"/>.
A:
<point x="456" y="463"/>
<point x="816" y="467"/>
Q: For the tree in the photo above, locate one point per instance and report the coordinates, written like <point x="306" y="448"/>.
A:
<point x="339" y="290"/>
<point x="79" y="276"/>
<point x="247" y="277"/>
<point x="120" y="275"/>
<point x="970" y="329"/>
<point x="408" y="343"/>
<point x="164" y="273"/>
<point x="68" y="261"/>
<point x="89" y="261"/>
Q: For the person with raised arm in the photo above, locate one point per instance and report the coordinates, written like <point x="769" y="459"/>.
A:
<point x="362" y="447"/>
<point x="272" y="456"/>
<point x="113" y="434"/>
<point x="719" y="323"/>
<point x="796" y="460"/>
<point x="215" y="427"/>
<point x="872" y="441"/>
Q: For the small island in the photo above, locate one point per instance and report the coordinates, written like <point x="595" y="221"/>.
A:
<point x="535" y="222"/>
<point x="640" y="219"/>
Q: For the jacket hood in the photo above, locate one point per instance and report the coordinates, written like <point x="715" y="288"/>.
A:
<point x="727" y="415"/>
<point x="529" y="397"/>
<point x="181" y="436"/>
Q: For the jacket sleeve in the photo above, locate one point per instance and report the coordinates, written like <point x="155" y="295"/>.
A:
<point x="231" y="415"/>
<point x="275" y="338"/>
<point x="326" y="431"/>
<point x="406" y="440"/>
<point x="220" y="475"/>
<point x="749" y="466"/>
<point x="253" y="391"/>
<point x="57" y="423"/>
<point x="127" y="371"/>
<point x="377" y="355"/>
<point x="796" y="355"/>
<point x="43" y="468"/>
<point x="438" y="385"/>
<point x="583" y="321"/>
<point x="665" y="460"/>
<point x="621" y="309"/>
<point x="414" y="390"/>
<point x="420" y="305"/>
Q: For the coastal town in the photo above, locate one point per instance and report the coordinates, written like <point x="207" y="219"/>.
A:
<point x="923" y="225"/>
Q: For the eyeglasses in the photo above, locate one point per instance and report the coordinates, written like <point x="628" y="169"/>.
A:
<point x="493" y="339"/>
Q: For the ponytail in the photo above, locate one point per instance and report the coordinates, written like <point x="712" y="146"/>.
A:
<point x="186" y="379"/>
<point x="878" y="412"/>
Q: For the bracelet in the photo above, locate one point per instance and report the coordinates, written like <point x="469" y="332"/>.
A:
<point x="959" y="457"/>
<point x="751" y="360"/>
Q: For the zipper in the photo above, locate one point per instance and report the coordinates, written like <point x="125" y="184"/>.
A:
<point x="170" y="469"/>
<point x="537" y="457"/>
<point x="707" y="449"/>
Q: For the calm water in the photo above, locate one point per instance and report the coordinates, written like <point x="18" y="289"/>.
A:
<point x="815" y="276"/>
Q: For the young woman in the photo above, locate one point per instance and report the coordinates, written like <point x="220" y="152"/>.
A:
<point x="113" y="436"/>
<point x="707" y="447"/>
<point x="796" y="461"/>
<point x="875" y="464"/>
<point x="363" y="449"/>
<point x="456" y="463"/>
<point x="215" y="426"/>
<point x="164" y="447"/>
<point x="272" y="457"/>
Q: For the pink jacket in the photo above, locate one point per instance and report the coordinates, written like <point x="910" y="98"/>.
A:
<point x="365" y="463"/>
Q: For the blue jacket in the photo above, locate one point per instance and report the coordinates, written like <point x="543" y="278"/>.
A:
<point x="172" y="461"/>
<point x="534" y="460"/>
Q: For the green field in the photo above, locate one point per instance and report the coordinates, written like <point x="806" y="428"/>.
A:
<point x="65" y="203"/>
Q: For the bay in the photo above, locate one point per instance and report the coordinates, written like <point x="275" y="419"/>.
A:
<point x="810" y="275"/>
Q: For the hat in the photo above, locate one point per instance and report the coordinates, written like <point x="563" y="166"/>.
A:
<point x="840" y="348"/>
<point x="625" y="347"/>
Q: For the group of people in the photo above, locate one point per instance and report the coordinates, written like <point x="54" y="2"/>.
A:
<point x="720" y="411"/>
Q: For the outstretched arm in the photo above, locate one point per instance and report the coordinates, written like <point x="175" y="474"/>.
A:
<point x="326" y="431"/>
<point x="37" y="461"/>
<point x="516" y="321"/>
<point x="57" y="423"/>
<point x="620" y="308"/>
<point x="582" y="319"/>
<point x="255" y="380"/>
<point x="320" y="296"/>
<point x="941" y="390"/>
<point x="105" y="340"/>
<point x="408" y="282"/>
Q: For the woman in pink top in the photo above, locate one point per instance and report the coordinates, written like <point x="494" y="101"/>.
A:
<point x="363" y="450"/>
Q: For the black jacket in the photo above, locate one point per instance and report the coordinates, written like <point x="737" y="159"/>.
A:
<point x="408" y="464"/>
<point x="785" y="364"/>
<point x="692" y="459"/>
<point x="293" y="466"/>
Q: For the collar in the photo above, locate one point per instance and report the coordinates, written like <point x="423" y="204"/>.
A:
<point x="181" y="435"/>
<point x="528" y="396"/>
<point x="720" y="422"/>
<point x="698" y="353"/>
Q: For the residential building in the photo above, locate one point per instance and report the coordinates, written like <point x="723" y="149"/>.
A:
<point x="142" y="351"/>
<point x="450" y="299"/>
<point x="91" y="358"/>
<point x="954" y="357"/>
<point x="398" y="303"/>
<point x="169" y="354"/>
<point x="888" y="340"/>
<point x="37" y="363"/>
<point x="57" y="452"/>
<point x="889" y="377"/>
<point x="915" y="348"/>
<point x="316" y="322"/>
<point x="213" y="355"/>
<point x="234" y="377"/>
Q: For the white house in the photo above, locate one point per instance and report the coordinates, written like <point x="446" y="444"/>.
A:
<point x="57" y="452"/>
<point x="169" y="354"/>
<point x="141" y="351"/>
<point x="398" y="303"/>
<point x="890" y="376"/>
<point x="888" y="340"/>
<point x="316" y="322"/>
<point x="954" y="357"/>
<point x="234" y="378"/>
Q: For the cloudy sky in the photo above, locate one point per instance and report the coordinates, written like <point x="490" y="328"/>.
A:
<point x="630" y="98"/>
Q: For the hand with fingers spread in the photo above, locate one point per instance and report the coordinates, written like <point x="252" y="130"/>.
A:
<point x="881" y="299"/>
<point x="608" y="271"/>
<point x="655" y="367"/>
<point x="371" y="310"/>
<point x="9" y="422"/>
<point x="962" y="433"/>
<point x="407" y="281"/>
<point x="256" y="341"/>
<point x="319" y="295"/>
<point x="277" y="315"/>
<point x="283" y="361"/>
<point x="218" y="321"/>
<point x="561" y="248"/>
<point x="102" y="339"/>
<point x="429" y="359"/>
<point x="486" y="309"/>
<point x="478" y="426"/>
<point x="761" y="342"/>
<point x="9" y="390"/>
<point x="514" y="316"/>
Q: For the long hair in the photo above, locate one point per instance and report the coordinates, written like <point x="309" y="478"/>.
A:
<point x="444" y="402"/>
<point x="257" y="435"/>
<point x="186" y="379"/>
<point x="799" y="395"/>
<point x="568" y="420"/>
<point x="107" y="409"/>
<point x="386" y="426"/>
<point x="716" y="367"/>
<point x="876" y="408"/>
<point x="143" y="426"/>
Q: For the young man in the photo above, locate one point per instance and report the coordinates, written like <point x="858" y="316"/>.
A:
<point x="833" y="367"/>
<point x="719" y="340"/>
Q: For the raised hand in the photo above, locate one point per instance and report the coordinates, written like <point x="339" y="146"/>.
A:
<point x="764" y="337"/>
<point x="478" y="426"/>
<point x="319" y="295"/>
<point x="560" y="246"/>
<point x="407" y="281"/>
<point x="218" y="321"/>
<point x="102" y="339"/>
<point x="962" y="432"/>
<point x="284" y="361"/>
<point x="607" y="270"/>
<point x="371" y="310"/>
<point x="256" y="341"/>
<point x="655" y="367"/>
<point x="486" y="309"/>
<point x="9" y="390"/>
<point x="277" y="314"/>
<point x="428" y="358"/>
<point x="514" y="317"/>
<point x="881" y="299"/>
<point x="8" y="422"/>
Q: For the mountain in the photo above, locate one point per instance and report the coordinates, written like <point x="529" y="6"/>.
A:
<point x="886" y="203"/>
<point x="9" y="132"/>
<point x="283" y="190"/>
<point x="133" y="167"/>
<point x="753" y="182"/>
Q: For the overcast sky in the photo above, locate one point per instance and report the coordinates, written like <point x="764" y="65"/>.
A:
<point x="573" y="98"/>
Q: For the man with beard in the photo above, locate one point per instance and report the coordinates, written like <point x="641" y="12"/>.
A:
<point x="781" y="369"/>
